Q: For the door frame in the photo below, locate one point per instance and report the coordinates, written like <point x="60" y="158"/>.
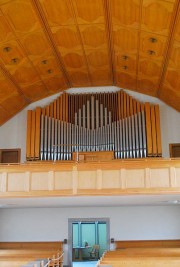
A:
<point x="75" y="220"/>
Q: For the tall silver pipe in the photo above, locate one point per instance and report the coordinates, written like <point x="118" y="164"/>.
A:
<point x="59" y="139"/>
<point x="140" y="134"/>
<point x="92" y="112"/>
<point x="137" y="135"/>
<point x="133" y="137"/>
<point x="144" y="134"/>
<point x="49" y="138"/>
<point x="130" y="136"/>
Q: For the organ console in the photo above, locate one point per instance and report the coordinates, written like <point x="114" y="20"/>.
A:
<point x="76" y="123"/>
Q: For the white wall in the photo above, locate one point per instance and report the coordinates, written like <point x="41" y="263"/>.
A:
<point x="140" y="222"/>
<point x="13" y="133"/>
<point x="126" y="223"/>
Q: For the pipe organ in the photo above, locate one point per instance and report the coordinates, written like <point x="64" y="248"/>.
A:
<point x="76" y="123"/>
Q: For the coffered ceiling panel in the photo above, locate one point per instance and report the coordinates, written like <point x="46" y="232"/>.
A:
<point x="126" y="13"/>
<point x="47" y="46"/>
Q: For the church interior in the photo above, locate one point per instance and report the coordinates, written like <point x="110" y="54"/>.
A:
<point x="89" y="133"/>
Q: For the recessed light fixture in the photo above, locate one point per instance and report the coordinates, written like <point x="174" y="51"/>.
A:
<point x="125" y="67"/>
<point x="124" y="57"/>
<point x="14" y="60"/>
<point x="49" y="71"/>
<point x="7" y="49"/>
<point x="44" y="61"/>
<point x="153" y="40"/>
<point x="151" y="52"/>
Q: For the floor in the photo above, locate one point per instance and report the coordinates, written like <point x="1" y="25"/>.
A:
<point x="85" y="264"/>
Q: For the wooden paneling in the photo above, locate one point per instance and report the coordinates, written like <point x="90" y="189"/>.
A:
<point x="47" y="46"/>
<point x="128" y="177"/>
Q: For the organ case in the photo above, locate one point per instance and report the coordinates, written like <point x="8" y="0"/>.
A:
<point x="76" y="123"/>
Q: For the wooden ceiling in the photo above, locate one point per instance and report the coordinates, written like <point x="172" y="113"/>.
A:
<point x="47" y="46"/>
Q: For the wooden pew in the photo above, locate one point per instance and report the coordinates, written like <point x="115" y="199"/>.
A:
<point x="32" y="245"/>
<point x="161" y="252"/>
<point x="141" y="262"/>
<point x="148" y="244"/>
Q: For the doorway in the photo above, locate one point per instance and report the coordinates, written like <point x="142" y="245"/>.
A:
<point x="83" y="234"/>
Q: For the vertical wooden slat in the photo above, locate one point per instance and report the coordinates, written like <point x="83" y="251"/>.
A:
<point x="148" y="129"/>
<point x="122" y="105"/>
<point x="67" y="107"/>
<point x="153" y="129"/>
<point x="55" y="109"/>
<point x="43" y="111"/>
<point x="134" y="106"/>
<point x="51" y="111"/>
<point x="47" y="111"/>
<point x="33" y="127"/>
<point x="125" y="105"/>
<point x="131" y="105"/>
<point x="158" y="131"/>
<point x="138" y="107"/>
<point x="37" y="132"/>
<point x="60" y="107"/>
<point x="28" y="134"/>
<point x="119" y="106"/>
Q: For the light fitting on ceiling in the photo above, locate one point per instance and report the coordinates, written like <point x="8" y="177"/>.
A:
<point x="44" y="61"/>
<point x="49" y="71"/>
<point x="7" y="49"/>
<point x="14" y="60"/>
<point x="125" y="67"/>
<point x="153" y="40"/>
<point x="151" y="52"/>
<point x="124" y="57"/>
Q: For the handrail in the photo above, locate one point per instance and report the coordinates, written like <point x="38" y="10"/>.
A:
<point x="51" y="260"/>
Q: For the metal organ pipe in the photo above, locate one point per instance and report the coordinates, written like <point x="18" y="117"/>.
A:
<point x="97" y="122"/>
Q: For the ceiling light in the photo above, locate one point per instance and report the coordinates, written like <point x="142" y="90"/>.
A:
<point x="14" y="60"/>
<point x="7" y="49"/>
<point x="44" y="61"/>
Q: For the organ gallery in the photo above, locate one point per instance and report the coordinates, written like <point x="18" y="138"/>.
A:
<point x="106" y="125"/>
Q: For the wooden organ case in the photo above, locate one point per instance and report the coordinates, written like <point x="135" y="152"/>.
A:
<point x="97" y="123"/>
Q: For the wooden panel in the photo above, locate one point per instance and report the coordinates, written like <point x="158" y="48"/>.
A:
<point x="153" y="129"/>
<point x="126" y="13"/>
<point x="36" y="45"/>
<point x="174" y="150"/>
<point x="163" y="179"/>
<point x="52" y="9"/>
<point x="10" y="155"/>
<point x="39" y="181"/>
<point x="5" y="29"/>
<point x="30" y="91"/>
<point x="86" y="180"/>
<point x="67" y="38"/>
<point x="148" y="129"/>
<point x="37" y="132"/>
<point x="135" y="179"/>
<point x="89" y="11"/>
<point x="127" y="63"/>
<point x="152" y="46"/>
<point x="16" y="182"/>
<point x="28" y="134"/>
<point x="156" y="16"/>
<point x="93" y="36"/>
<point x="170" y="96"/>
<point x="33" y="137"/>
<point x="126" y="80"/>
<point x="125" y="40"/>
<point x="114" y="182"/>
<point x="63" y="180"/>
<point x="26" y="19"/>
<point x="158" y="131"/>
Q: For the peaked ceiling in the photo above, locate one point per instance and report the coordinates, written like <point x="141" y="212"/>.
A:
<point x="47" y="46"/>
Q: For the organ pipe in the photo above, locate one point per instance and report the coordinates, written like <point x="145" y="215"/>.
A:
<point x="93" y="122"/>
